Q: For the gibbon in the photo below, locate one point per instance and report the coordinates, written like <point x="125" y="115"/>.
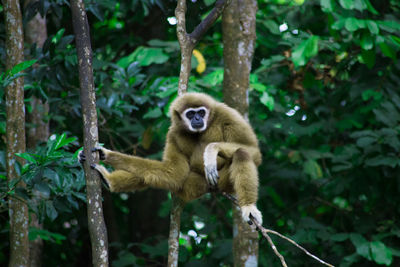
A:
<point x="208" y="146"/>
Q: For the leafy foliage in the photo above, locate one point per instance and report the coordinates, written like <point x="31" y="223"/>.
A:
<point x="324" y="102"/>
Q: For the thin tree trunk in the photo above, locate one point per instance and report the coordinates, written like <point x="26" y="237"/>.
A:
<point x="36" y="33"/>
<point x="174" y="230"/>
<point x="18" y="210"/>
<point x="96" y="224"/>
<point x="238" y="26"/>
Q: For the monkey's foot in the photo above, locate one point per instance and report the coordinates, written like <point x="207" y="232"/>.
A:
<point x="102" y="171"/>
<point x="251" y="209"/>
<point x="81" y="157"/>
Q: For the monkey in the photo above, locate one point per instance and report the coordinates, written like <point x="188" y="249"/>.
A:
<point x="209" y="146"/>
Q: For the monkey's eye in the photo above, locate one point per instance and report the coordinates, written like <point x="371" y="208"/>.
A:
<point x="190" y="114"/>
<point x="202" y="113"/>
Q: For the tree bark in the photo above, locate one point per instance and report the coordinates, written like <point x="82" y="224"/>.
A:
<point x="18" y="210"/>
<point x="238" y="27"/>
<point x="96" y="224"/>
<point x="174" y="230"/>
<point x="36" y="33"/>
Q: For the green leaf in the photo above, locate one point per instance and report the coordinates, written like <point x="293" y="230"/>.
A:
<point x="339" y="24"/>
<point x="63" y="141"/>
<point x="371" y="94"/>
<point x="368" y="57"/>
<point x="361" y="244"/>
<point x="380" y="253"/>
<point x="327" y="5"/>
<point x="372" y="26"/>
<point x="367" y="42"/>
<point x="258" y="87"/>
<point x="339" y="237"/>
<point x="312" y="168"/>
<point x="347" y="4"/>
<point x="21" y="66"/>
<point x="214" y="78"/>
<point x="370" y="7"/>
<point x="395" y="39"/>
<point x="365" y="141"/>
<point x="387" y="50"/>
<point x="381" y="160"/>
<point x="272" y="26"/>
<point x="34" y="233"/>
<point x="360" y="5"/>
<point x="353" y="24"/>
<point x="145" y="56"/>
<point x="51" y="212"/>
<point x="28" y="156"/>
<point x="389" y="25"/>
<point x="305" y="50"/>
<point x="153" y="113"/>
<point x="267" y="100"/>
<point x="125" y="258"/>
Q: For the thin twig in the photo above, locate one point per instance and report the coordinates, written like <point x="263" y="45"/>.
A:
<point x="205" y="24"/>
<point x="265" y="232"/>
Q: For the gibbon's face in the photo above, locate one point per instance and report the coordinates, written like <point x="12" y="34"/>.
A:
<point x="196" y="119"/>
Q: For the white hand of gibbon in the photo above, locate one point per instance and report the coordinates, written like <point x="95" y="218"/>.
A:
<point x="210" y="164"/>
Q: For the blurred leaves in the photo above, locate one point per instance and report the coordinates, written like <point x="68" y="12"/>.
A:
<point x="323" y="100"/>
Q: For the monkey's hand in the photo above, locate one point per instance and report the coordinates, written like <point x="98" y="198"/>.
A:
<point x="102" y="152"/>
<point x="251" y="209"/>
<point x="210" y="164"/>
<point x="81" y="157"/>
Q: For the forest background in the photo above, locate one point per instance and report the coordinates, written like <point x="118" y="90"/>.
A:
<point x="324" y="102"/>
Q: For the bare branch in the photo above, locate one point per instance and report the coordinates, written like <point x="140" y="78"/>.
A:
<point x="265" y="232"/>
<point x="202" y="28"/>
<point x="187" y="42"/>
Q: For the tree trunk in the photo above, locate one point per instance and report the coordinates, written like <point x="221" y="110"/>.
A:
<point x="18" y="210"/>
<point x="96" y="224"/>
<point x="36" y="33"/>
<point x="238" y="27"/>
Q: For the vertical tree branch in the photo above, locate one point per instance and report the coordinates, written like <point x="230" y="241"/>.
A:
<point x="97" y="227"/>
<point x="187" y="42"/>
<point x="174" y="230"/>
<point x="185" y="45"/>
<point x="18" y="211"/>
<point x="238" y="27"/>
<point x="36" y="33"/>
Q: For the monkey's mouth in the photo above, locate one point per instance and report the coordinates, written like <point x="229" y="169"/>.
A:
<point x="197" y="125"/>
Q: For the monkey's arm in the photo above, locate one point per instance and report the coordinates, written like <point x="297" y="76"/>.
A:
<point x="225" y="150"/>
<point x="168" y="174"/>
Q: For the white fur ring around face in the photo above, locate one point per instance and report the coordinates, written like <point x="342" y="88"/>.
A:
<point x="251" y="209"/>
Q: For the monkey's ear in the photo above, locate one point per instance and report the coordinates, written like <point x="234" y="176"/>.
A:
<point x="177" y="114"/>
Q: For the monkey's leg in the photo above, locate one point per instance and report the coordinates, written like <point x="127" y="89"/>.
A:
<point x="168" y="175"/>
<point x="244" y="177"/>
<point x="119" y="180"/>
<point x="194" y="187"/>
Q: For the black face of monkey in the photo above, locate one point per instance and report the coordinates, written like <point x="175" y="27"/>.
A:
<point x="196" y="118"/>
